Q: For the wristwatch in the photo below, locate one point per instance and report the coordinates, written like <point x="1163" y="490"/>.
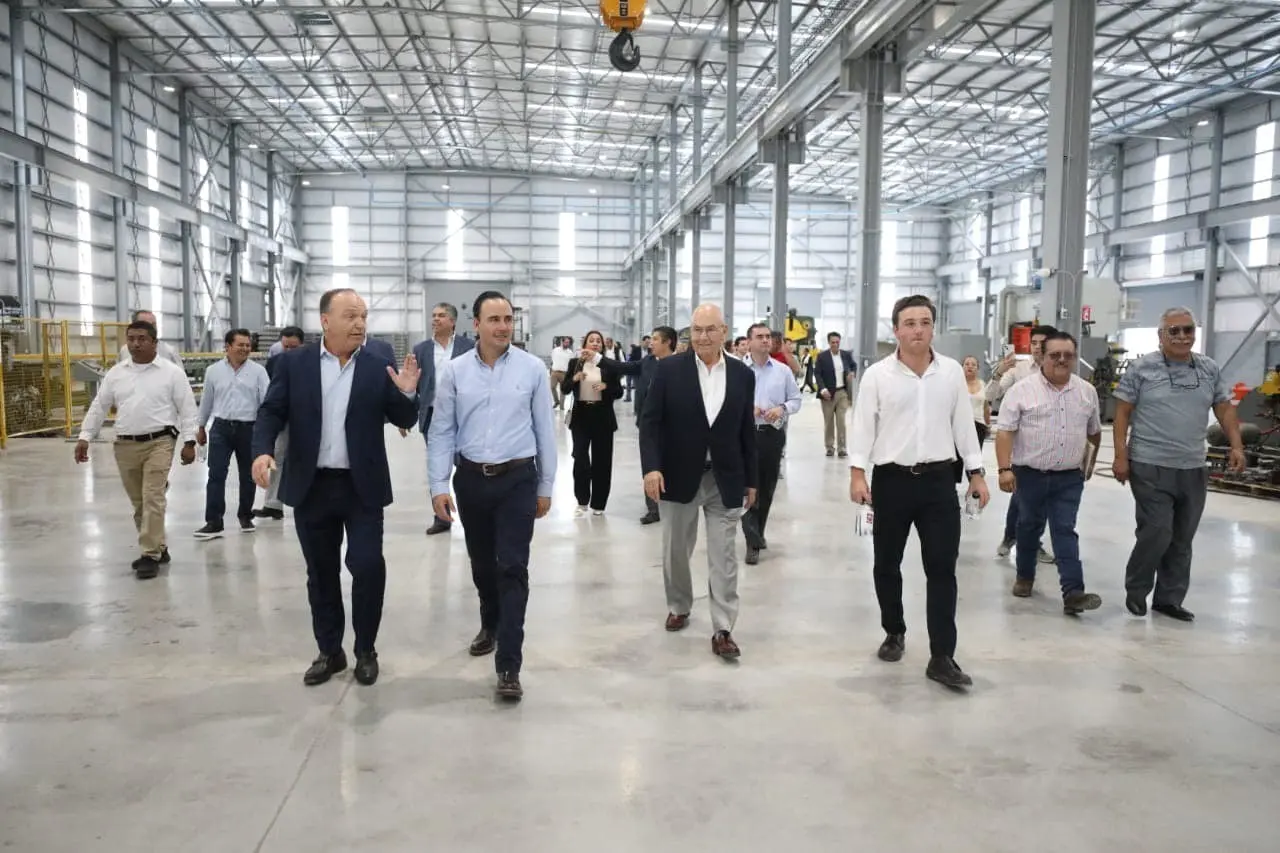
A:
<point x="1002" y="470"/>
<point x="976" y="472"/>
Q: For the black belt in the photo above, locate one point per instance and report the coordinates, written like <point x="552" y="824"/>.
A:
<point x="167" y="432"/>
<point x="1073" y="470"/>
<point x="921" y="468"/>
<point x="493" y="469"/>
<point x="333" y="472"/>
<point x="587" y="402"/>
<point x="768" y="428"/>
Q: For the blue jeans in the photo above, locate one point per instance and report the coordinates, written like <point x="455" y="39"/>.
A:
<point x="1052" y="496"/>
<point x="228" y="438"/>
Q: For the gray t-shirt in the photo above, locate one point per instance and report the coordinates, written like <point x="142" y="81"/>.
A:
<point x="1171" y="402"/>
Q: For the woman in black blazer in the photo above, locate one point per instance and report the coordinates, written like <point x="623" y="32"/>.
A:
<point x="593" y="423"/>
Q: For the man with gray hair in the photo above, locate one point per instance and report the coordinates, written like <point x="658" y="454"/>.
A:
<point x="432" y="355"/>
<point x="1165" y="397"/>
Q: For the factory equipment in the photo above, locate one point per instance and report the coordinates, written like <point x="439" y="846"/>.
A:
<point x="623" y="17"/>
<point x="1259" y="414"/>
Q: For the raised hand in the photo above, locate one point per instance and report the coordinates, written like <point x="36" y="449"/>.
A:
<point x="407" y="379"/>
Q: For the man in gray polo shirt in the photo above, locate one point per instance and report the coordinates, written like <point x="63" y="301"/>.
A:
<point x="1166" y="397"/>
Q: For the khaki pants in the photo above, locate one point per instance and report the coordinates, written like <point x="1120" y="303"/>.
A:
<point x="144" y="470"/>
<point x="834" y="413"/>
<point x="557" y="376"/>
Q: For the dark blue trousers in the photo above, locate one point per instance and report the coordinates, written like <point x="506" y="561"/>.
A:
<point x="329" y="510"/>
<point x="1052" y="496"/>
<point x="227" y="438"/>
<point x="497" y="515"/>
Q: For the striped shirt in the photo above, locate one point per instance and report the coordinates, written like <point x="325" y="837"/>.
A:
<point x="1051" y="425"/>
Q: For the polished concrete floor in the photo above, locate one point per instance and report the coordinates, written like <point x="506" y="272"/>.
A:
<point x="169" y="715"/>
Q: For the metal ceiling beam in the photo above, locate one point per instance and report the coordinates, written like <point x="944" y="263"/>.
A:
<point x="23" y="150"/>
<point x="860" y="32"/>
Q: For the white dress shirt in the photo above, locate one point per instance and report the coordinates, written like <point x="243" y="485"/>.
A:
<point x="1050" y="425"/>
<point x="712" y="381"/>
<point x="147" y="397"/>
<point x="335" y="394"/>
<point x="904" y="419"/>
<point x="560" y="358"/>
<point x="233" y="395"/>
<point x="441" y="353"/>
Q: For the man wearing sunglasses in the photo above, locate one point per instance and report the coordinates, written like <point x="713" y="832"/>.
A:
<point x="1165" y="397"/>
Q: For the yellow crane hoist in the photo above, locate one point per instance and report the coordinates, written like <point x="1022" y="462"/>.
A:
<point x="623" y="17"/>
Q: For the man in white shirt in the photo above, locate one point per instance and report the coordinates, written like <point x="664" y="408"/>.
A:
<point x="911" y="418"/>
<point x="777" y="397"/>
<point x="154" y="406"/>
<point x="1007" y="373"/>
<point x="163" y="350"/>
<point x="560" y="358"/>
<point x="234" y="389"/>
<point x="1046" y="423"/>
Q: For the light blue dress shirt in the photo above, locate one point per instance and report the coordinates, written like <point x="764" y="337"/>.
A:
<point x="492" y="414"/>
<point x="775" y="386"/>
<point x="335" y="391"/>
<point x="233" y="395"/>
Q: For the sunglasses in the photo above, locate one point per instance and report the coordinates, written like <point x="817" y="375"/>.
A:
<point x="1183" y="331"/>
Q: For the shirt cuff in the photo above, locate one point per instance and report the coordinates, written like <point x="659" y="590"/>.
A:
<point x="858" y="461"/>
<point x="84" y="436"/>
<point x="439" y="488"/>
<point x="409" y="394"/>
<point x="1122" y="396"/>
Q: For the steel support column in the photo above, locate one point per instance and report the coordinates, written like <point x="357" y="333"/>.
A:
<point x="784" y="42"/>
<point x="1117" y="208"/>
<point x="188" y="250"/>
<point x="657" y="201"/>
<point x="1067" y="166"/>
<point x="699" y="101"/>
<point x="730" y="236"/>
<point x="1212" y="240"/>
<point x="119" y="210"/>
<point x="992" y="349"/>
<point x="779" y="232"/>
<point x="654" y="263"/>
<point x="234" y="295"/>
<point x="732" y="47"/>
<point x="872" y="75"/>
<point x="673" y="277"/>
<point x="23" y="235"/>
<point x="273" y="231"/>
<point x="695" y="265"/>
<point x="673" y="164"/>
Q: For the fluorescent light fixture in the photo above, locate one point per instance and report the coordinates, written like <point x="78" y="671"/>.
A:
<point x="170" y="89"/>
<point x="253" y="146"/>
<point x="263" y="58"/>
<point x="592" y="190"/>
<point x="395" y="96"/>
<point x="306" y="183"/>
<point x="445" y="187"/>
<point x="1202" y="122"/>
<point x="596" y="111"/>
<point x="585" y="214"/>
<point x="1182" y="34"/>
<point x="578" y="72"/>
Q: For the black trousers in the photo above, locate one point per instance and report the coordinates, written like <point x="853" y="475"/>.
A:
<point x="497" y="515"/>
<point x="928" y="501"/>
<point x="769" y="444"/>
<point x="329" y="510"/>
<point x="592" y="428"/>
<point x="225" y="439"/>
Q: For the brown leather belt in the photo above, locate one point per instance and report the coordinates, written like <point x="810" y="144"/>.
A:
<point x="493" y="469"/>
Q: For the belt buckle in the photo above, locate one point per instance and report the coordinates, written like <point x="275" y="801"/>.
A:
<point x="487" y="469"/>
<point x="915" y="470"/>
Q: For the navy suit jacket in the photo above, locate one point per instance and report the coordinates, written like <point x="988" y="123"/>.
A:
<point x="825" y="369"/>
<point x="426" y="356"/>
<point x="294" y="399"/>
<point x="675" y="437"/>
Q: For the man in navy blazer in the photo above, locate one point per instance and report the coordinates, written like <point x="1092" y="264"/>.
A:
<point x="835" y="370"/>
<point x="335" y="396"/>
<point x="433" y="354"/>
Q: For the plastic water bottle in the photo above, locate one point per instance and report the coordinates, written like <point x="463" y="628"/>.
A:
<point x="202" y="452"/>
<point x="972" y="507"/>
<point x="865" y="520"/>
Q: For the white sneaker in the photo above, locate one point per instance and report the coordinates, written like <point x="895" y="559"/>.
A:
<point x="580" y="512"/>
<point x="597" y="512"/>
<point x="1005" y="547"/>
<point x="1045" y="557"/>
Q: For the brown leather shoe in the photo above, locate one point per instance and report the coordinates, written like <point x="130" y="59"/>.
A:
<point x="677" y="623"/>
<point x="483" y="644"/>
<point x="724" y="646"/>
<point x="1022" y="587"/>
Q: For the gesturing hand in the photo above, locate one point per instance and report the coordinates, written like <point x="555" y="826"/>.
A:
<point x="407" y="379"/>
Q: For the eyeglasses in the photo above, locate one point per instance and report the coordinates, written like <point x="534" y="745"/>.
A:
<point x="1181" y="331"/>
<point x="1067" y="357"/>
<point x="702" y="331"/>
<point x="1182" y="386"/>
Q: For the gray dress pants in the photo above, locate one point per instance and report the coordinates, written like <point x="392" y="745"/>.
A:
<point x="680" y="535"/>
<point x="272" y="500"/>
<point x="1168" y="503"/>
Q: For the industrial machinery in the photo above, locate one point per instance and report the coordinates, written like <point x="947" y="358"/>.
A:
<point x="623" y="17"/>
<point x="799" y="329"/>
<point x="1105" y="377"/>
<point x="1259" y="414"/>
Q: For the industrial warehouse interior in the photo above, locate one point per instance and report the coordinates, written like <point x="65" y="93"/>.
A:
<point x="190" y="169"/>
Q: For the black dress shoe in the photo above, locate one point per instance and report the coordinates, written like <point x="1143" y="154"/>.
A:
<point x="1174" y="611"/>
<point x="438" y="526"/>
<point x="324" y="667"/>
<point x="753" y="556"/>
<point x="509" y="685"/>
<point x="367" y="667"/>
<point x="650" y="518"/>
<point x="892" y="648"/>
<point x="1136" y="605"/>
<point x="1075" y="603"/>
<point x="268" y="512"/>
<point x="164" y="557"/>
<point x="483" y="644"/>
<point x="764" y="544"/>
<point x="145" y="568"/>
<point x="946" y="671"/>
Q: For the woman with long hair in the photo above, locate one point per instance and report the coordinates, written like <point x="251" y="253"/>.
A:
<point x="977" y="398"/>
<point x="592" y="423"/>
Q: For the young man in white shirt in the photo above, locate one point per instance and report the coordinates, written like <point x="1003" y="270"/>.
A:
<point x="154" y="407"/>
<point x="560" y="358"/>
<point x="1046" y="423"/>
<point x="911" y="417"/>
<point x="234" y="389"/>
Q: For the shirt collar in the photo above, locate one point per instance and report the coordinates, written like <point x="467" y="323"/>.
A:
<point x="448" y="345"/>
<point x="702" y="365"/>
<point x="324" y="352"/>
<point x="769" y="362"/>
<point x="902" y="366"/>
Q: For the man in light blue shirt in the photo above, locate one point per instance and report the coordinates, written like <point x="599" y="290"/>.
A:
<point x="777" y="398"/>
<point x="493" y="420"/>
<point x="234" y="389"/>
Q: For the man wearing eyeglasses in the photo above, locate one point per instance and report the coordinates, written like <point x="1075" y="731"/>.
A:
<point x="1046" y="423"/>
<point x="1165" y="397"/>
